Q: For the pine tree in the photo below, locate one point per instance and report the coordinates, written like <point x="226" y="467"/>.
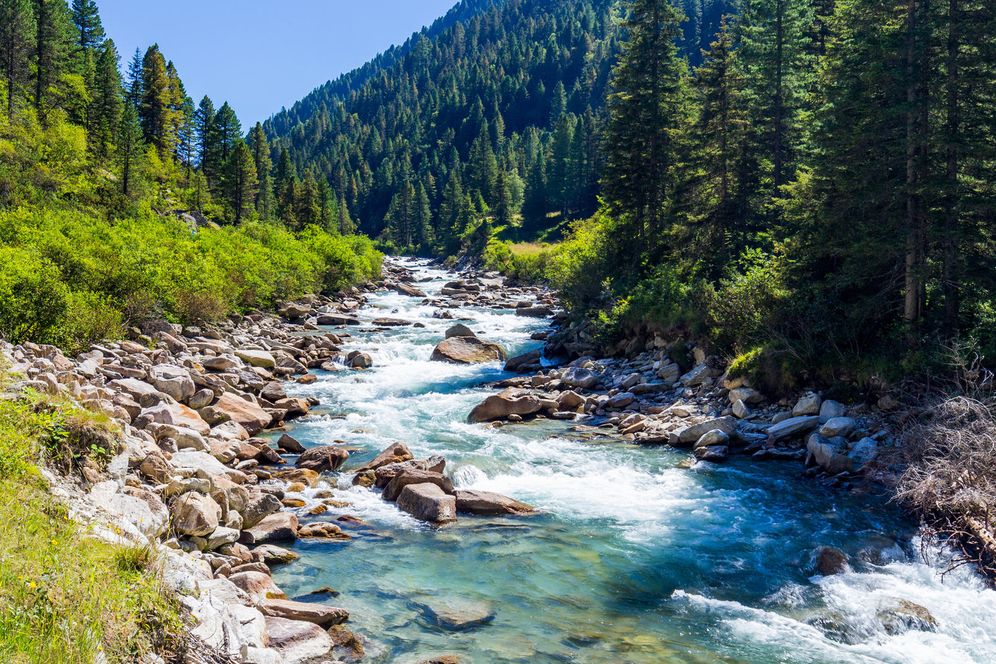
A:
<point x="241" y="180"/>
<point x="134" y="92"/>
<point x="264" y="165"/>
<point x="130" y="149"/>
<point x="424" y="237"/>
<point x="204" y="137"/>
<point x="308" y="204"/>
<point x="107" y="103"/>
<point x="227" y="130"/>
<point x="400" y="218"/>
<point x="89" y="29"/>
<point x="177" y="99"/>
<point x="346" y="225"/>
<point x="482" y="167"/>
<point x="156" y="108"/>
<point x="646" y="109"/>
<point x="51" y="49"/>
<point x="16" y="42"/>
<point x="719" y="143"/>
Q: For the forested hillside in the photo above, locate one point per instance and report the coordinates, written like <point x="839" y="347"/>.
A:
<point x="123" y="200"/>
<point x="487" y="120"/>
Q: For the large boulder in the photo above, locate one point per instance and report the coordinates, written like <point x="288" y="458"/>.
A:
<point x="384" y="474"/>
<point x="467" y="350"/>
<point x="258" y="508"/>
<point x="289" y="443"/>
<point x="500" y="406"/>
<point x="171" y="412"/>
<point x="322" y="458"/>
<point x="297" y="641"/>
<point x="459" y="330"/>
<point x="579" y="378"/>
<point x="427" y="502"/>
<point x="416" y="476"/>
<point x="172" y="380"/>
<point x="808" y="404"/>
<point x="830" y="454"/>
<point x="838" y="426"/>
<point x="486" y="503"/>
<point x="900" y="616"/>
<point x="538" y="311"/>
<point x="257" y="358"/>
<point x="862" y="453"/>
<point x="277" y="527"/>
<point x="249" y="415"/>
<point x="195" y="514"/>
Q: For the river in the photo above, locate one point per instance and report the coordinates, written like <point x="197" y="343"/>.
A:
<point x="634" y="558"/>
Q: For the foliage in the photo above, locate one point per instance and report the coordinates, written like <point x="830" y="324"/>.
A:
<point x="64" y="595"/>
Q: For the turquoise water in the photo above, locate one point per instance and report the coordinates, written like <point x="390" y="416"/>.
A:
<point x="634" y="558"/>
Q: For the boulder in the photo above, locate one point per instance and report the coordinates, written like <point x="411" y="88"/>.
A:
<point x="277" y="527"/>
<point x="579" y="378"/>
<point x="195" y="514"/>
<point x="337" y="320"/>
<point x="486" y="503"/>
<point x="297" y="641"/>
<point x="831" y="408"/>
<point x="792" y="427"/>
<point x="537" y="311"/>
<point x="172" y="380"/>
<point x="712" y="453"/>
<point x="525" y="363"/>
<point x="459" y="330"/>
<point x="384" y="474"/>
<point x="903" y="616"/>
<point x="416" y="476"/>
<point x="696" y="376"/>
<point x="257" y="358"/>
<point x="830" y="454"/>
<point x="808" y="404"/>
<point x="272" y="554"/>
<point x="748" y="395"/>
<point x="322" y="458"/>
<point x="620" y="400"/>
<point x="176" y="414"/>
<point x="396" y="453"/>
<point x="838" y="426"/>
<point x="500" y="406"/>
<point x="318" y="614"/>
<point x="289" y="443"/>
<point x="689" y="435"/>
<point x="258" y="508"/>
<point x="862" y="453"/>
<point x="322" y="530"/>
<point x="711" y="438"/>
<point x="467" y="350"/>
<point x="246" y="413"/>
<point x="358" y="360"/>
<point x="829" y="560"/>
<point x="740" y="409"/>
<point x="427" y="502"/>
<point x="407" y="289"/>
<point x="390" y="322"/>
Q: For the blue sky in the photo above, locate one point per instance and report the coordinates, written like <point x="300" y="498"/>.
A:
<point x="260" y="55"/>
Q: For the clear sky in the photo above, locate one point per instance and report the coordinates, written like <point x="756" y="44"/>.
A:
<point x="261" y="55"/>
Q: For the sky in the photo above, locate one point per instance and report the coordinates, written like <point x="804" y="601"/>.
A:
<point x="261" y="55"/>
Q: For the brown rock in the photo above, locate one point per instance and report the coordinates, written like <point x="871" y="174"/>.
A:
<point x="467" y="350"/>
<point x="490" y="504"/>
<point x="277" y="527"/>
<point x="427" y="502"/>
<point x="500" y="406"/>
<point x="251" y="416"/>
<point x="296" y="640"/>
<point x="318" y="614"/>
<point x="396" y="453"/>
<point x="322" y="458"/>
<point x="416" y="476"/>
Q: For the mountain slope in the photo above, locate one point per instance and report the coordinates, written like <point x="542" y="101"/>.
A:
<point x="487" y="118"/>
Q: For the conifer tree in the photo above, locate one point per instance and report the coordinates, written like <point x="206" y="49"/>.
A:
<point x="264" y="165"/>
<point x="646" y="110"/>
<point x="51" y="48"/>
<point x="424" y="236"/>
<point x="241" y="180"/>
<point x="156" y="108"/>
<point x="107" y="102"/>
<point x="482" y="168"/>
<point x="346" y="225"/>
<point x="89" y="29"/>
<point x="130" y="149"/>
<point x="134" y="91"/>
<point x="227" y="130"/>
<point x="207" y="151"/>
<point x="16" y="41"/>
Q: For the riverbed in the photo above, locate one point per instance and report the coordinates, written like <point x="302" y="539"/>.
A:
<point x="634" y="557"/>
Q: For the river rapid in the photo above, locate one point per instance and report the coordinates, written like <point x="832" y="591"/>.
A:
<point x="634" y="557"/>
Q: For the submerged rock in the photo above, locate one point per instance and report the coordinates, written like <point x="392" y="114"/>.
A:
<point x="906" y="616"/>
<point x="457" y="614"/>
<point x="467" y="350"/>
<point x="829" y="560"/>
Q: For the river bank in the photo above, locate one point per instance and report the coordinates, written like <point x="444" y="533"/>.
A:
<point x="633" y="553"/>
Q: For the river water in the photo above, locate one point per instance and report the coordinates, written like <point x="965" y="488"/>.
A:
<point x="633" y="559"/>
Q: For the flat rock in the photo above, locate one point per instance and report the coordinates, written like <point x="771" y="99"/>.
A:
<point x="249" y="415"/>
<point x="690" y="435"/>
<point x="396" y="453"/>
<point x="318" y="614"/>
<point x="416" y="476"/>
<point x="793" y="426"/>
<point x="508" y="402"/>
<point x="457" y="614"/>
<point x="486" y="503"/>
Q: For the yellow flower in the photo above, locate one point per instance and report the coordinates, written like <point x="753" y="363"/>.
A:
<point x="32" y="585"/>
<point x="55" y="542"/>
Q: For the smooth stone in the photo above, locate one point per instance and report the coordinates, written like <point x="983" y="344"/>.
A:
<point x="319" y="614"/>
<point x="297" y="641"/>
<point x="486" y="503"/>
<point x="277" y="527"/>
<point x="427" y="502"/>
<point x="467" y="350"/>
<point x="457" y="614"/>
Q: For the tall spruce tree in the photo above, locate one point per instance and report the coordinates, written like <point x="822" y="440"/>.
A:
<point x="131" y="150"/>
<point x="16" y="42"/>
<point x="241" y="181"/>
<point x="89" y="29"/>
<point x="107" y="102"/>
<point x="264" y="165"/>
<point x="647" y="108"/>
<point x="52" y="28"/>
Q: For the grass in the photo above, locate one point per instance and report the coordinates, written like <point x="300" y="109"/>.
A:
<point x="64" y="595"/>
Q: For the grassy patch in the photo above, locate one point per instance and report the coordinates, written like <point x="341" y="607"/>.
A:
<point x="65" y="596"/>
